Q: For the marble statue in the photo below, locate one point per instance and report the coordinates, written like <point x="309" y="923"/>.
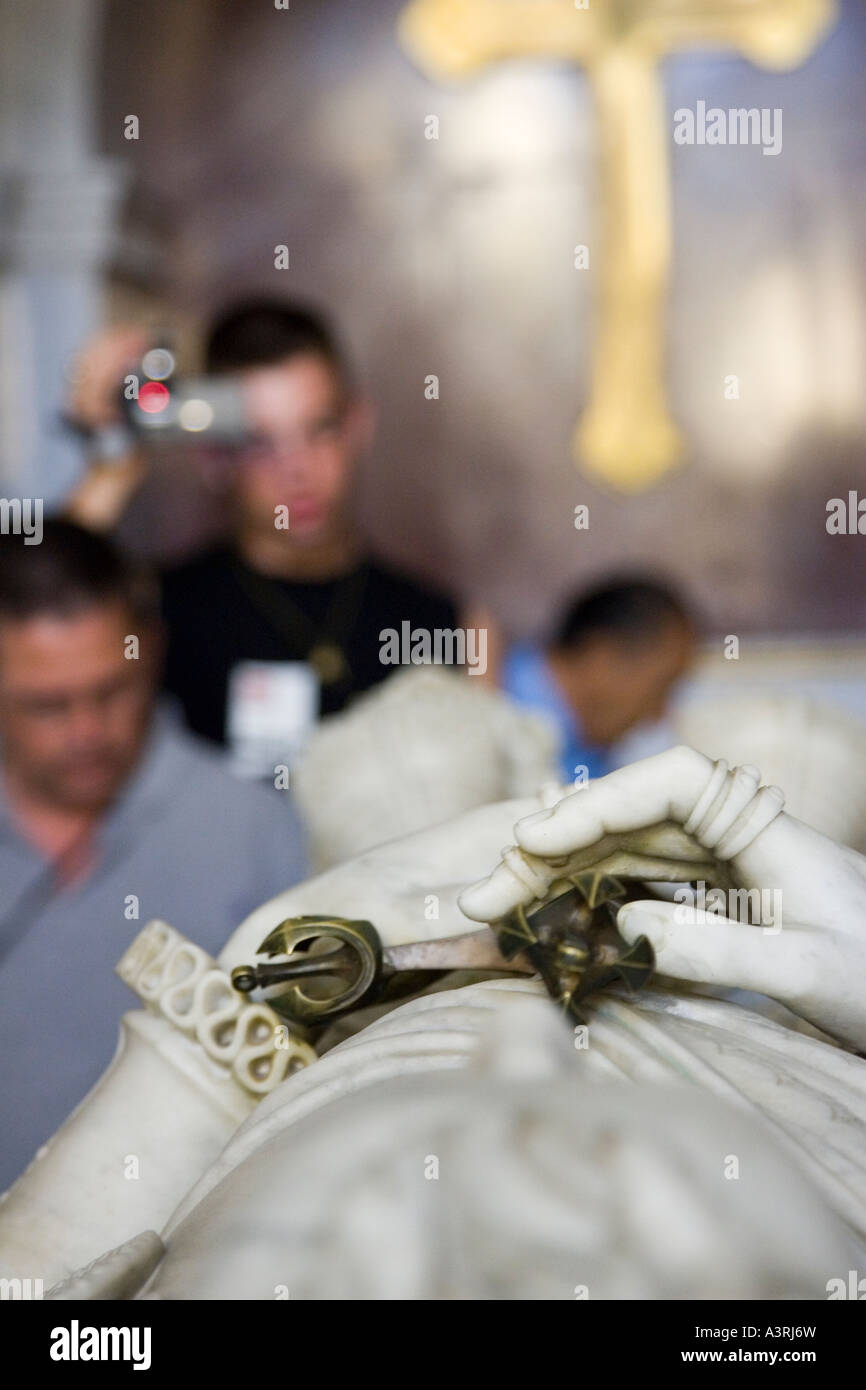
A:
<point x="815" y="751"/>
<point x="416" y="750"/>
<point x="472" y="1142"/>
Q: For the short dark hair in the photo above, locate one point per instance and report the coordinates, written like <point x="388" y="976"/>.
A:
<point x="628" y="609"/>
<point x="261" y="332"/>
<point x="69" y="571"/>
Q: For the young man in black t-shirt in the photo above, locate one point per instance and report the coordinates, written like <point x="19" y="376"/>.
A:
<point x="295" y="586"/>
<point x="284" y="623"/>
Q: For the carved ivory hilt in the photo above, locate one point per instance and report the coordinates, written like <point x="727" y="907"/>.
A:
<point x="182" y="983"/>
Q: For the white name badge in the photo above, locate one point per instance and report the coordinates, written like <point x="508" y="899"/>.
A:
<point x="272" y="709"/>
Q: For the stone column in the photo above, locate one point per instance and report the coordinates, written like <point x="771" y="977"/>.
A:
<point x="58" y="202"/>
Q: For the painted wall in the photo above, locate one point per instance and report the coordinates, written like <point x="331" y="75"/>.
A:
<point x="306" y="127"/>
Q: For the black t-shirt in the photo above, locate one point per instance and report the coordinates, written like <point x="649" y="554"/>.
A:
<point x="219" y="612"/>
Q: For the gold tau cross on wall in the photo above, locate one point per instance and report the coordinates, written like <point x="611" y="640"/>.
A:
<point x="626" y="435"/>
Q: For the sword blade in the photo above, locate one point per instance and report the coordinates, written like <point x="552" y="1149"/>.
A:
<point x="476" y="950"/>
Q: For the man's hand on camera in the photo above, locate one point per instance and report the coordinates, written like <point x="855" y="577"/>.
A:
<point x="93" y="404"/>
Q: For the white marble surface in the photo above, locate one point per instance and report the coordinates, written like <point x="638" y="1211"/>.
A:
<point x="602" y="1159"/>
<point x="558" y="1167"/>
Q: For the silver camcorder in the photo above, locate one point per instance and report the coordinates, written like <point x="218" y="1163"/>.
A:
<point x="158" y="405"/>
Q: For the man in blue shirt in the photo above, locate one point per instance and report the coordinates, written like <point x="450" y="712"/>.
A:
<point x="613" y="660"/>
<point x="110" y="815"/>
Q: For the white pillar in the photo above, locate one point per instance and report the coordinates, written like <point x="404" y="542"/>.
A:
<point x="58" y="201"/>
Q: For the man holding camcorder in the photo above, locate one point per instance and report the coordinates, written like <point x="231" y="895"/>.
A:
<point x="283" y="622"/>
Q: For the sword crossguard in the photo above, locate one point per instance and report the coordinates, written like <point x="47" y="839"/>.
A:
<point x="347" y="975"/>
<point x="571" y="938"/>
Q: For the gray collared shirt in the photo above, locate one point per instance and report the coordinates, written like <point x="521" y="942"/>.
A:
<point x="186" y="842"/>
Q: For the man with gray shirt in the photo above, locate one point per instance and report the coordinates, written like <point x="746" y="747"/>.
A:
<point x="110" y="814"/>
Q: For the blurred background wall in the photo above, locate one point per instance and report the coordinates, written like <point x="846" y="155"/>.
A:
<point x="455" y="256"/>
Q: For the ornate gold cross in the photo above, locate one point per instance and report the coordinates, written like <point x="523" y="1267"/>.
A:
<point x="626" y="435"/>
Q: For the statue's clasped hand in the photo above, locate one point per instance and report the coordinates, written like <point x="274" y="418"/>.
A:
<point x="679" y="817"/>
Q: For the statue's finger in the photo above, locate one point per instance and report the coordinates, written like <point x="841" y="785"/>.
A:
<point x="662" y="788"/>
<point x="517" y="880"/>
<point x="691" y="944"/>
